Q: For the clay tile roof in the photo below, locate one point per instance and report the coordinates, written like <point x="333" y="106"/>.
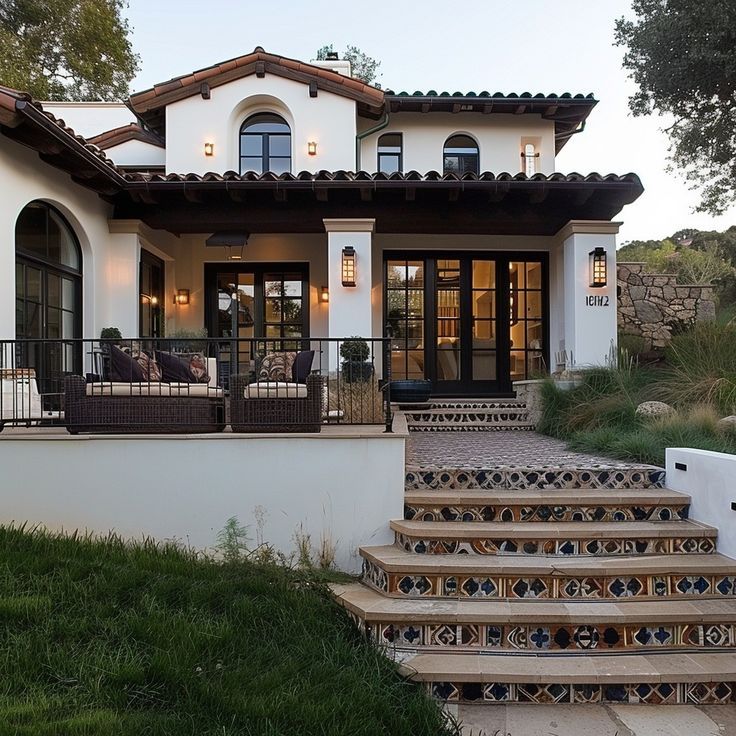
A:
<point x="149" y="103"/>
<point x="130" y="132"/>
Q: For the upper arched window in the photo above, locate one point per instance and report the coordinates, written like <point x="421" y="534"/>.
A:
<point x="265" y="144"/>
<point x="42" y="234"/>
<point x="461" y="155"/>
<point x="389" y="153"/>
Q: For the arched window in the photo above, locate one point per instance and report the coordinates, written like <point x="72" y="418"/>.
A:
<point x="265" y="144"/>
<point x="48" y="291"/>
<point x="461" y="155"/>
<point x="530" y="156"/>
<point x="389" y="153"/>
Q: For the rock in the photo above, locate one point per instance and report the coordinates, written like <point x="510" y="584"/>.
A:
<point x="727" y="423"/>
<point x="647" y="312"/>
<point x="654" y="409"/>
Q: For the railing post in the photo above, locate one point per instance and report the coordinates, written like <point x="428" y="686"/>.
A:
<point x="387" y="379"/>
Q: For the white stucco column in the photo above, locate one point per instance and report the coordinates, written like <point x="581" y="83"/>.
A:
<point x="7" y="266"/>
<point x="118" y="288"/>
<point x="589" y="312"/>
<point x="349" y="306"/>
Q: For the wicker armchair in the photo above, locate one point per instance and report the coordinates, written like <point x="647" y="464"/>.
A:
<point x="288" y="413"/>
<point x="172" y="411"/>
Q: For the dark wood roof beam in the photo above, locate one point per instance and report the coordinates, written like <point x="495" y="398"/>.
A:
<point x="551" y="110"/>
<point x="280" y="195"/>
<point x="204" y="90"/>
<point x="457" y="107"/>
<point x="410" y="194"/>
<point x="366" y="194"/>
<point x="425" y="107"/>
<point x="236" y="195"/>
<point x="453" y="194"/>
<point x="313" y="91"/>
<point x="322" y="194"/>
<point x="488" y="108"/>
<point x="260" y="69"/>
<point x="520" y="110"/>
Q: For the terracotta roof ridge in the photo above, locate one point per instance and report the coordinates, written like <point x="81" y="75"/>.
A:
<point x="124" y="133"/>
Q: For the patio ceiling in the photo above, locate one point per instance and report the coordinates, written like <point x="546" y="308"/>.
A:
<point x="400" y="203"/>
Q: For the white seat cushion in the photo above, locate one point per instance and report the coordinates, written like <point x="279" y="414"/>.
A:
<point x="275" y="390"/>
<point x="114" y="388"/>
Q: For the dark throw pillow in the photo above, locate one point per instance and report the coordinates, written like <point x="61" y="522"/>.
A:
<point x="277" y="367"/>
<point x="123" y="368"/>
<point x="182" y="368"/>
<point x="302" y="366"/>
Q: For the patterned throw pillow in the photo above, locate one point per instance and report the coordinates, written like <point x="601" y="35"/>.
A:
<point x="276" y="367"/>
<point x="150" y="368"/>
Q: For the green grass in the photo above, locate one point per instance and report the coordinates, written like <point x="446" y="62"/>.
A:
<point x="698" y="380"/>
<point x="101" y="637"/>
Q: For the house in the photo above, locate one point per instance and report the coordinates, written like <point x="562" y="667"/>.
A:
<point x="326" y="207"/>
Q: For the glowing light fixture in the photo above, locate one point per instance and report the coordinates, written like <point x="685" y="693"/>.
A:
<point x="349" y="272"/>
<point x="312" y="148"/>
<point x="324" y="294"/>
<point x="209" y="149"/>
<point x="181" y="297"/>
<point x="598" y="268"/>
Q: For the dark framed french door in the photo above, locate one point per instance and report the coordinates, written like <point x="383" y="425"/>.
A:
<point x="472" y="323"/>
<point x="255" y="300"/>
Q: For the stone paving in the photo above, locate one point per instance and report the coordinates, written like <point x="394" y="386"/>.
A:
<point x="490" y="449"/>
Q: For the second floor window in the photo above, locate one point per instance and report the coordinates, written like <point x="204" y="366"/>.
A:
<point x="265" y="144"/>
<point x="529" y="158"/>
<point x="389" y="153"/>
<point x="461" y="155"/>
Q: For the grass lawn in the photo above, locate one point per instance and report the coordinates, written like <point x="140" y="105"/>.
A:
<point x="698" y="380"/>
<point x="100" y="637"/>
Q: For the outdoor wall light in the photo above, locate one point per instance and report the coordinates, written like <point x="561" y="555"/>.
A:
<point x="348" y="266"/>
<point x="598" y="268"/>
<point x="209" y="149"/>
<point x="324" y="294"/>
<point x="154" y="301"/>
<point x="312" y="148"/>
<point x="181" y="297"/>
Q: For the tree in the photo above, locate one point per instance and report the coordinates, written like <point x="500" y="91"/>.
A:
<point x="66" y="49"/>
<point x="682" y="56"/>
<point x="362" y="66"/>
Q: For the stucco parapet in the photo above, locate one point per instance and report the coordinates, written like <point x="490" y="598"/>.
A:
<point x="588" y="227"/>
<point x="350" y="225"/>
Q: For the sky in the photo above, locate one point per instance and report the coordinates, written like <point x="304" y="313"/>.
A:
<point x="497" y="45"/>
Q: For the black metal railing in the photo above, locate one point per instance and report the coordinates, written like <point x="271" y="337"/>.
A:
<point x="280" y="384"/>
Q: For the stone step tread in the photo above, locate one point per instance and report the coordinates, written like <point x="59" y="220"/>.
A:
<point x="373" y="606"/>
<point x="473" y="403"/>
<point x="394" y="559"/>
<point x="551" y="497"/>
<point x="551" y="530"/>
<point x="566" y="669"/>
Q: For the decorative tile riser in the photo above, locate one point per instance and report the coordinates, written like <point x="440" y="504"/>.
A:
<point x="469" y="513"/>
<point x="470" y="427"/>
<point x="519" y="478"/>
<point x="474" y="406"/>
<point x="461" y="418"/>
<point x="498" y="638"/>
<point x="548" y="587"/>
<point x="600" y="546"/>
<point x="714" y="693"/>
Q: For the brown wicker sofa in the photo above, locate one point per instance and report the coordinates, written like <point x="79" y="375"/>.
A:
<point x="275" y="407"/>
<point x="142" y="408"/>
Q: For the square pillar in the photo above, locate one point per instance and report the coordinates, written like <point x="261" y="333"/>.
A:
<point x="590" y="314"/>
<point x="350" y="310"/>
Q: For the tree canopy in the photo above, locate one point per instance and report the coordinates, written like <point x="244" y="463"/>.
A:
<point x="362" y="66"/>
<point x="682" y="56"/>
<point x="66" y="49"/>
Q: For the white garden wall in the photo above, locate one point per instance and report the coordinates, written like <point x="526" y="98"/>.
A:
<point x="710" y="480"/>
<point x="345" y="488"/>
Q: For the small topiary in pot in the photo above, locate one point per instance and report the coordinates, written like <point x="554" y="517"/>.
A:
<point x="355" y="365"/>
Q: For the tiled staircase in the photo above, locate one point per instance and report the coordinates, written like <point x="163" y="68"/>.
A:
<point x="552" y="584"/>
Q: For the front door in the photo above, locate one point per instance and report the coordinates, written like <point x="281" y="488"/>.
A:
<point x="471" y="323"/>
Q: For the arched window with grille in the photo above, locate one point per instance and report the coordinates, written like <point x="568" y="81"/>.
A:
<point x="265" y="144"/>
<point x="461" y="155"/>
<point x="530" y="157"/>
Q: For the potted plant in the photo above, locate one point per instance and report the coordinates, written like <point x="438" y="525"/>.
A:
<point x="356" y="368"/>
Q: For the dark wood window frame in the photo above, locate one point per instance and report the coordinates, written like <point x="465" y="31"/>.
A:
<point x="463" y="158"/>
<point x="265" y="155"/>
<point x="390" y="153"/>
<point x="158" y="318"/>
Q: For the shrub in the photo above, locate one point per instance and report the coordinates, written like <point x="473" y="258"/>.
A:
<point x="354" y="349"/>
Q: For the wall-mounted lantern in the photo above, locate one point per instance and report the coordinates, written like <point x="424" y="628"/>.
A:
<point x="324" y="295"/>
<point x="348" y="266"/>
<point x="598" y="268"/>
<point x="312" y="148"/>
<point x="181" y="297"/>
<point x="209" y="149"/>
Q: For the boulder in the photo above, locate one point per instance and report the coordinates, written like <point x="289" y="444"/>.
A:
<point x="654" y="409"/>
<point x="727" y="423"/>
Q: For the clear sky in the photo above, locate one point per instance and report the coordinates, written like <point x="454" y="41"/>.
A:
<point x="497" y="45"/>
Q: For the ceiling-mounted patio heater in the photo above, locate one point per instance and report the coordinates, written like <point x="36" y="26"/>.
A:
<point x="234" y="242"/>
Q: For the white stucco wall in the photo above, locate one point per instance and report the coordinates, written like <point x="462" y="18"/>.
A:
<point x="327" y="119"/>
<point x="343" y="488"/>
<point x="91" y="118"/>
<point x="137" y="153"/>
<point x="110" y="261"/>
<point x="499" y="139"/>
<point x="710" y="480"/>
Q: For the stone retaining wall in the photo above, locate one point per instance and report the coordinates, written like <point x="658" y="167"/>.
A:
<point x="653" y="304"/>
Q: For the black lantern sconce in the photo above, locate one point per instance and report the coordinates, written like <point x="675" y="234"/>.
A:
<point x="598" y="268"/>
<point x="348" y="266"/>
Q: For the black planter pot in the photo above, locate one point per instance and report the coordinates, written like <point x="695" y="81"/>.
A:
<point x="410" y="391"/>
<point x="356" y="371"/>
